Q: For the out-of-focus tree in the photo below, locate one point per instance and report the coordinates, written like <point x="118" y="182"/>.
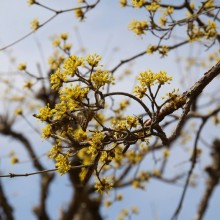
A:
<point x="93" y="139"/>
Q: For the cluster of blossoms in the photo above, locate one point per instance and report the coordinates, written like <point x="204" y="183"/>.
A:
<point x="138" y="27"/>
<point x="148" y="79"/>
<point x="74" y="81"/>
<point x="35" y="24"/>
<point x="103" y="186"/>
<point x="61" y="42"/>
<point x="162" y="50"/>
<point x="69" y="117"/>
<point x="128" y="123"/>
<point x="99" y="77"/>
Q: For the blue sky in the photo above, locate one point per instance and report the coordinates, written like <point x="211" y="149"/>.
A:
<point x="105" y="29"/>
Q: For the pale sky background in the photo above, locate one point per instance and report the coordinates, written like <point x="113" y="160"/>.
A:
<point x="105" y="29"/>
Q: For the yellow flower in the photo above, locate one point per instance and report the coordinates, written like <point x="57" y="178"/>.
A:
<point x="80" y="135"/>
<point x="73" y="93"/>
<point x="79" y="13"/>
<point x="57" y="79"/>
<point x="35" y="24"/>
<point x="137" y="184"/>
<point x="146" y="78"/>
<point x="101" y="77"/>
<point x="103" y="186"/>
<point x="138" y="3"/>
<point x="211" y="29"/>
<point x="123" y="3"/>
<point x="132" y="121"/>
<point x="162" y="78"/>
<point x="72" y="63"/>
<point x="95" y="142"/>
<point x="156" y="173"/>
<point x="93" y="60"/>
<point x="54" y="151"/>
<point x="152" y="7"/>
<point x="138" y="27"/>
<point x="139" y="91"/>
<point x="14" y="159"/>
<point x="166" y="153"/>
<point x="107" y="203"/>
<point x="31" y="2"/>
<point x="18" y="111"/>
<point x="62" y="163"/>
<point x="164" y="50"/>
<point x="45" y="113"/>
<point x="135" y="210"/>
<point x="144" y="176"/>
<point x="169" y="10"/>
<point x="209" y="4"/>
<point x="67" y="46"/>
<point x="22" y="66"/>
<point x="28" y="85"/>
<point x="123" y="104"/>
<point x="119" y="197"/>
<point x="192" y="5"/>
<point x="64" y="36"/>
<point x="163" y="20"/>
<point x="46" y="131"/>
<point x="151" y="49"/>
<point x="56" y="42"/>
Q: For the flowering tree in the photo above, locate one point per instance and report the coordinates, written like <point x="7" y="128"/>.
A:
<point x="93" y="139"/>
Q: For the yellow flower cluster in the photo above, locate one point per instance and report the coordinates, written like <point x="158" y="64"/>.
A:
<point x="76" y="93"/>
<point x="56" y="42"/>
<point x="144" y="176"/>
<point x="35" y="24"/>
<point x="46" y="131"/>
<point x="57" y="79"/>
<point x="152" y="7"/>
<point x="54" y="151"/>
<point x="85" y="156"/>
<point x="45" y="113"/>
<point x="79" y="13"/>
<point x="164" y="50"/>
<point x="95" y="142"/>
<point x="103" y="186"/>
<point x="209" y="3"/>
<point x="55" y="61"/>
<point x="64" y="36"/>
<point x="138" y="27"/>
<point x="93" y="60"/>
<point x="31" y="2"/>
<point x="147" y="79"/>
<point x="163" y="20"/>
<point x="211" y="29"/>
<point x="123" y="3"/>
<point x="169" y="10"/>
<point x="14" y="160"/>
<point x="118" y="157"/>
<point x="129" y="122"/>
<point x="139" y="91"/>
<point x="101" y="77"/>
<point x="62" y="163"/>
<point x="80" y="135"/>
<point x="19" y="111"/>
<point x="138" y="3"/>
<point x="22" y="66"/>
<point x="151" y="49"/>
<point x="71" y="64"/>
<point x="134" y="157"/>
